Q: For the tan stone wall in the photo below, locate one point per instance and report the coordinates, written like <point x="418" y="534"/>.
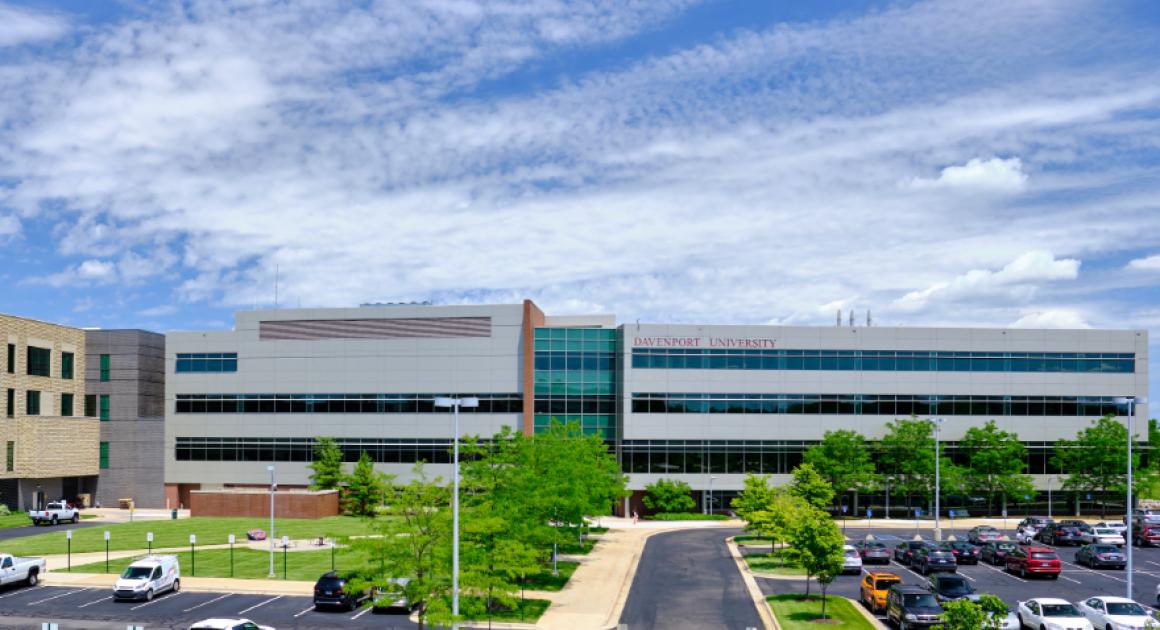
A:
<point x="46" y="445"/>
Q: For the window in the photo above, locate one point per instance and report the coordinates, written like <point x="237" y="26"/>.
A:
<point x="207" y="362"/>
<point x="104" y="368"/>
<point x="104" y="455"/>
<point x="90" y="405"/>
<point x="32" y="403"/>
<point x="66" y="365"/>
<point x="66" y="405"/>
<point x="39" y="361"/>
<point x="10" y="403"/>
<point x="11" y="358"/>
<point x="104" y="398"/>
<point x="10" y="460"/>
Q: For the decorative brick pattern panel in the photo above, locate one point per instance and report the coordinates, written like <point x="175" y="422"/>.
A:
<point x="256" y="503"/>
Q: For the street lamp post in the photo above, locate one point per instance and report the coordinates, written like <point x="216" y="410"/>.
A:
<point x="455" y="404"/>
<point x="1131" y="401"/>
<point x="709" y="501"/>
<point x="887" y="515"/>
<point x="270" y="536"/>
<point x="937" y="422"/>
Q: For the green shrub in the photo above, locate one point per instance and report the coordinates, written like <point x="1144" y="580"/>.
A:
<point x="668" y="495"/>
<point x="4" y="511"/>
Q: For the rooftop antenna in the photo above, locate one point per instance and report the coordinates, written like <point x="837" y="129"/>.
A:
<point x="839" y="322"/>
<point x="869" y="321"/>
<point x="276" y="273"/>
<point x="851" y="318"/>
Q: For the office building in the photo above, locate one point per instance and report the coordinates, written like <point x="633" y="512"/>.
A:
<point x="702" y="403"/>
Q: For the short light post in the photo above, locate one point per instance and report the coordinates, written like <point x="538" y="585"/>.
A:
<point x="193" y="554"/>
<point x="937" y="422"/>
<point x="232" y="539"/>
<point x="149" y="541"/>
<point x="285" y="548"/>
<point x="887" y="515"/>
<point x="1131" y="402"/>
<point x="844" y="519"/>
<point x="273" y="489"/>
<point x="454" y="404"/>
<point x="68" y="538"/>
<point x="333" y="543"/>
<point x="106" y="551"/>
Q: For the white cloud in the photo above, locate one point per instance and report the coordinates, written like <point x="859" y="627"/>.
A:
<point x="1150" y="263"/>
<point x="21" y="26"/>
<point x="1051" y="318"/>
<point x="994" y="174"/>
<point x="1018" y="279"/>
<point x="160" y="310"/>
<point x="9" y="225"/>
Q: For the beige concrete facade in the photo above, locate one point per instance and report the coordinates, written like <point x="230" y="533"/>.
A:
<point x="46" y="444"/>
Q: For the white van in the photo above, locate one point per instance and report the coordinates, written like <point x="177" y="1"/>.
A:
<point x="149" y="576"/>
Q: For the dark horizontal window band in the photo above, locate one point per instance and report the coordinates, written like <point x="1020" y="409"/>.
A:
<point x="339" y="403"/>
<point x="576" y="404"/>
<point x="207" y="362"/>
<point x="300" y="449"/>
<point x="878" y="405"/>
<point x="883" y="360"/>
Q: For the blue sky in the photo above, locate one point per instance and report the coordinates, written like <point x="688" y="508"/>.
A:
<point x="973" y="162"/>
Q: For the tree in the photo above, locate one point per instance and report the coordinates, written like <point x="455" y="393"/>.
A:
<point x="365" y="488"/>
<point x="843" y="459"/>
<point x="907" y="454"/>
<point x="414" y="541"/>
<point x="1096" y="461"/>
<point x="668" y="495"/>
<point x="326" y="465"/>
<point x="816" y="543"/>
<point x="995" y="463"/>
<point x="811" y="487"/>
<point x="986" y="614"/>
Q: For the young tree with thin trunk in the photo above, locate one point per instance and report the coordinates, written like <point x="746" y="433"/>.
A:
<point x="365" y="488"/>
<point x="995" y="463"/>
<point x="843" y="459"/>
<point x="816" y="542"/>
<point x="1096" y="460"/>
<point x="326" y="467"/>
<point x="811" y="487"/>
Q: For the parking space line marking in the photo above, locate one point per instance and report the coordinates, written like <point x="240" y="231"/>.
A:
<point x="1010" y="575"/>
<point x="1064" y="577"/>
<point x="1152" y="563"/>
<point x="362" y="612"/>
<point x="1090" y="570"/>
<point x="157" y="599"/>
<point x="21" y="592"/>
<point x="103" y="599"/>
<point x="46" y="599"/>
<point x="259" y="605"/>
<point x="304" y="612"/>
<point x="207" y="603"/>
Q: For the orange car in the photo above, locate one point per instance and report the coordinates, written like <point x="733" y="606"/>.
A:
<point x="875" y="584"/>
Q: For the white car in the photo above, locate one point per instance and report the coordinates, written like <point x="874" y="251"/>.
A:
<point x="149" y="576"/>
<point x="1050" y="613"/>
<point x="852" y="560"/>
<point x="1119" y="527"/>
<point x="1102" y="536"/>
<point x="228" y="624"/>
<point x="1117" y="612"/>
<point x="1026" y="535"/>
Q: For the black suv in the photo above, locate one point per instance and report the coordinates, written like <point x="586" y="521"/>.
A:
<point x="912" y="607"/>
<point x="995" y="552"/>
<point x="1061" y="533"/>
<point x="904" y="551"/>
<point x="949" y="588"/>
<point x="332" y="589"/>
<point x="929" y="558"/>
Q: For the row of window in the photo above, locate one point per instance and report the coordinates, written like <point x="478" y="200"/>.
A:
<point x="877" y="404"/>
<point x="339" y="403"/>
<point x="38" y="362"/>
<point x="207" y="362"/>
<point x="883" y="360"/>
<point x="94" y="404"/>
<point x="598" y="404"/>
<point x="594" y="361"/>
<point x="301" y="449"/>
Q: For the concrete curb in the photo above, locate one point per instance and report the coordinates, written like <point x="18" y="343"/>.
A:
<point x="874" y="621"/>
<point x="759" y="601"/>
<point x="192" y="584"/>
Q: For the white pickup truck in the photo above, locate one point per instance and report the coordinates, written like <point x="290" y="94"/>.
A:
<point x="54" y="513"/>
<point x="26" y="570"/>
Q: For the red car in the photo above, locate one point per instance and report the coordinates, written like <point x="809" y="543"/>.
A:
<point x="1149" y="537"/>
<point x="1034" y="561"/>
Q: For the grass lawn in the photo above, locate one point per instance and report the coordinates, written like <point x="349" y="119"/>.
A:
<point x="248" y="564"/>
<point x="794" y="614"/>
<point x="169" y="533"/>
<point x="777" y="563"/>
<point x="15" y="519"/>
<point x="545" y="581"/>
<point x="572" y="547"/>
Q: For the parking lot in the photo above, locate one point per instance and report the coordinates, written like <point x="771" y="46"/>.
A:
<point x="1074" y="584"/>
<point x="86" y="607"/>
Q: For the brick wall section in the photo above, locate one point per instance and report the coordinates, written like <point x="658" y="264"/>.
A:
<point x="46" y="445"/>
<point x="257" y="504"/>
